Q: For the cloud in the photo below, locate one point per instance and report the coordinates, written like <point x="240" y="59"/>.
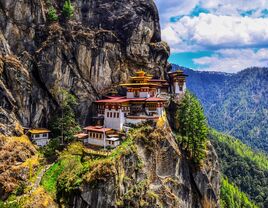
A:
<point x="233" y="60"/>
<point x="233" y="31"/>
<point x="173" y="8"/>
<point x="208" y="31"/>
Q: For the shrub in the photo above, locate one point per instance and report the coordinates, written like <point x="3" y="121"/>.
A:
<point x="192" y="127"/>
<point x="68" y="9"/>
<point x="52" y="14"/>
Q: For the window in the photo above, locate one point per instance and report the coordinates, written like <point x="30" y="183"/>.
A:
<point x="37" y="136"/>
<point x="44" y="135"/>
<point x="136" y="94"/>
<point x="107" y="114"/>
<point x="111" y="114"/>
<point x="117" y="115"/>
<point x="114" y="114"/>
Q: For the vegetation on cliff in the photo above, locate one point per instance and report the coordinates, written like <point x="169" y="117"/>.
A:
<point x="245" y="168"/>
<point x="232" y="197"/>
<point x="191" y="127"/>
<point x="235" y="103"/>
<point x="63" y="124"/>
<point x="19" y="162"/>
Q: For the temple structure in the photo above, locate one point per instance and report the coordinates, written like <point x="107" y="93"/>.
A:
<point x="145" y="100"/>
<point x="177" y="82"/>
<point x="39" y="136"/>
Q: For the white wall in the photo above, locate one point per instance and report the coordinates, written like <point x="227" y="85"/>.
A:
<point x="97" y="142"/>
<point x="144" y="94"/>
<point x="177" y="88"/>
<point x="100" y="142"/>
<point x="114" y="122"/>
<point x="130" y="95"/>
<point x="160" y="111"/>
<point x="40" y="139"/>
<point x="134" y="121"/>
<point x="41" y="142"/>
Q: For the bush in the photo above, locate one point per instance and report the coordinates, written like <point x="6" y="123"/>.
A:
<point x="68" y="9"/>
<point x="52" y="14"/>
<point x="50" y="149"/>
<point x="192" y="127"/>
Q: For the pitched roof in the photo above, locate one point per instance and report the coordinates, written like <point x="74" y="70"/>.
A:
<point x="81" y="135"/>
<point x="39" y="131"/>
<point x="97" y="129"/>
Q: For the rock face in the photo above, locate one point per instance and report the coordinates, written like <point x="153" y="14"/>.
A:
<point x="99" y="47"/>
<point x="154" y="174"/>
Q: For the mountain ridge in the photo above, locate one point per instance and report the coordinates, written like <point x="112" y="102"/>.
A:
<point x="235" y="104"/>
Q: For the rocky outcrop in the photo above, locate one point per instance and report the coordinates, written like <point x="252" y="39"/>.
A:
<point x="153" y="174"/>
<point x="99" y="47"/>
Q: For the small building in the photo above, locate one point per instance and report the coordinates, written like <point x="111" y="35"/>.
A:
<point x="40" y="136"/>
<point x="100" y="136"/>
<point x="178" y="82"/>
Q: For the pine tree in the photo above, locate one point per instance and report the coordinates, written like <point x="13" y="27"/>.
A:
<point x="68" y="9"/>
<point x="52" y="14"/>
<point x="65" y="125"/>
<point x="192" y="128"/>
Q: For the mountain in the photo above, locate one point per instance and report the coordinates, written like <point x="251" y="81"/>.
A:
<point x="87" y="54"/>
<point x="84" y="49"/>
<point x="243" y="167"/>
<point x="236" y="104"/>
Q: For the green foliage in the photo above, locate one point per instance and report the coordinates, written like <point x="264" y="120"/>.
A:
<point x="49" y="150"/>
<point x="231" y="197"/>
<point x="244" y="151"/>
<point x="49" y="180"/>
<point x="68" y="9"/>
<point x="192" y="127"/>
<point x="235" y="103"/>
<point x="64" y="124"/>
<point x="52" y="14"/>
<point x="244" y="168"/>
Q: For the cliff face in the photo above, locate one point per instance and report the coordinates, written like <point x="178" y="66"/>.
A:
<point x="100" y="46"/>
<point x="152" y="172"/>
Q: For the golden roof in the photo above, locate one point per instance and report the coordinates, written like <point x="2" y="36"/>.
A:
<point x="139" y="84"/>
<point x="39" y="131"/>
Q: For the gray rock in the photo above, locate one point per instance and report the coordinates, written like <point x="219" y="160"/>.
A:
<point x="102" y="45"/>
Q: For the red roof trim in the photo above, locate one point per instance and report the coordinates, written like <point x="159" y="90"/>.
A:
<point x="97" y="129"/>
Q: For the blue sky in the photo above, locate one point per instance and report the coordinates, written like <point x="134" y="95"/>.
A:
<point x="216" y="35"/>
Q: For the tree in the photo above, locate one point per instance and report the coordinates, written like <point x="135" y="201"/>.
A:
<point x="192" y="127"/>
<point x="68" y="9"/>
<point x="52" y="14"/>
<point x="64" y="125"/>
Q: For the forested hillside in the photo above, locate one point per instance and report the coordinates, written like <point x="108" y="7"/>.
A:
<point x="243" y="167"/>
<point x="236" y="104"/>
<point x="231" y="196"/>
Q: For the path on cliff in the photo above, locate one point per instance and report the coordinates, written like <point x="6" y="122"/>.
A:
<point x="39" y="177"/>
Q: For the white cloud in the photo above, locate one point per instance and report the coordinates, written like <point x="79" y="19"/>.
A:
<point x="231" y="7"/>
<point x="233" y="60"/>
<point x="172" y="8"/>
<point x="208" y="31"/>
<point x="222" y="30"/>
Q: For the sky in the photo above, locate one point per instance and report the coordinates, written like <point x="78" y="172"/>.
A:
<point x="216" y="35"/>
